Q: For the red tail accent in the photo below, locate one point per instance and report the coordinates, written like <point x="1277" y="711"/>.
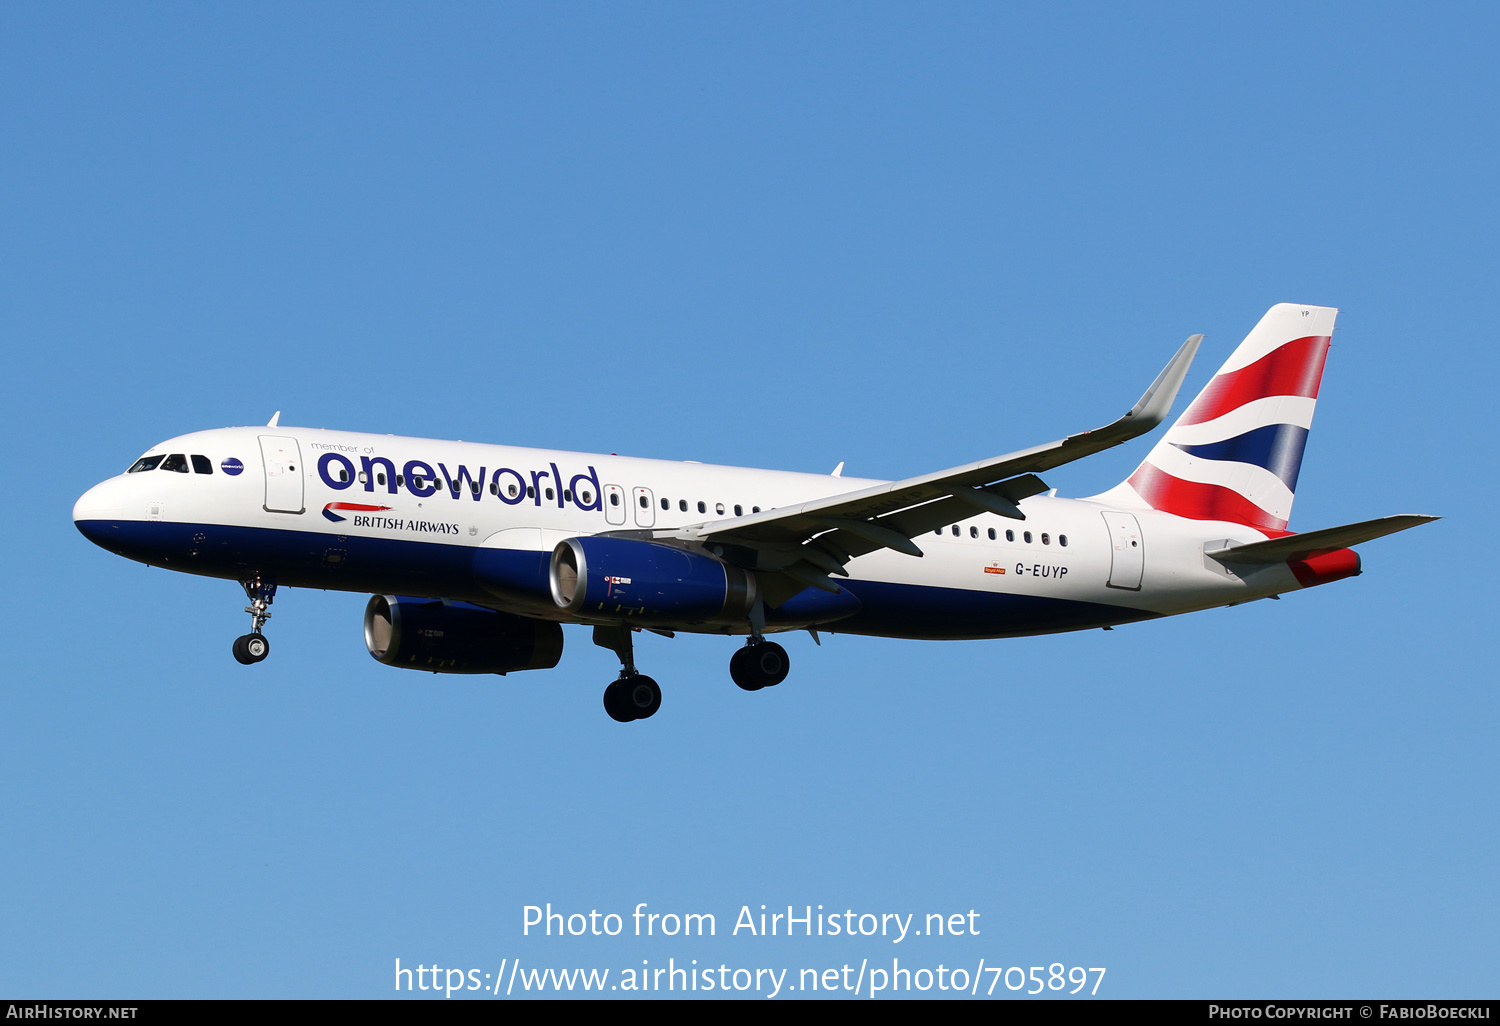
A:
<point x="1198" y="501"/>
<point x="1330" y="566"/>
<point x="1293" y="369"/>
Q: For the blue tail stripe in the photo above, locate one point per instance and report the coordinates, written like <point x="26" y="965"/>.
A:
<point x="1275" y="447"/>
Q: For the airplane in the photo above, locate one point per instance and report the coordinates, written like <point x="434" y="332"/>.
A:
<point x="475" y="554"/>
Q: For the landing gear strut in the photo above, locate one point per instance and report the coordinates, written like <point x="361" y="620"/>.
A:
<point x="634" y="696"/>
<point x="761" y="663"/>
<point x="255" y="646"/>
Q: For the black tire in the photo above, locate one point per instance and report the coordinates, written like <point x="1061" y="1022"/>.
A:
<point x="771" y="663"/>
<point x="742" y="672"/>
<point x="251" y="648"/>
<point x="642" y="696"/>
<point x="257" y="647"/>
<point x="614" y="703"/>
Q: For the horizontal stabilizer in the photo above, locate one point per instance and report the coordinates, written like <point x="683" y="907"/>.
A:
<point x="1314" y="543"/>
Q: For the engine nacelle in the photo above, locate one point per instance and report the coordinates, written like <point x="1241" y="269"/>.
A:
<point x="456" y="637"/>
<point x="641" y="580"/>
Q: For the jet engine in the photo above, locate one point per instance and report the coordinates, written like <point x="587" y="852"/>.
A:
<point x="456" y="637"/>
<point x="627" y="578"/>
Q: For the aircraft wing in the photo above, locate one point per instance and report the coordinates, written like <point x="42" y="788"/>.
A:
<point x="816" y="538"/>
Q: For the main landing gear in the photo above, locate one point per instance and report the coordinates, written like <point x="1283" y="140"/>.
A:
<point x="634" y="696"/>
<point x="761" y="663"/>
<point x="255" y="646"/>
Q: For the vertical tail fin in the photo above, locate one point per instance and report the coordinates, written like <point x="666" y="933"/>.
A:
<point x="1235" y="453"/>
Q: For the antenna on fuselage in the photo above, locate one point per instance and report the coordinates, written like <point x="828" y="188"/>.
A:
<point x="274" y="418"/>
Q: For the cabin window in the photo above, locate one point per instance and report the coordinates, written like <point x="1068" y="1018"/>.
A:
<point x="1062" y="540"/>
<point x="973" y="532"/>
<point x="701" y="507"/>
<point x="719" y="508"/>
<point x="531" y="491"/>
<point x="380" y="477"/>
<point x="1010" y="536"/>
<point x="568" y="495"/>
<point x="177" y="461"/>
<point x="494" y="488"/>
<point x="682" y="505"/>
<point x="938" y="531"/>
<point x="614" y="498"/>
<point x="474" y="487"/>
<point x="665" y="503"/>
<point x="955" y="530"/>
<point x="739" y="510"/>
<point x="549" y="493"/>
<point x="1026" y="537"/>
<point x="1046" y="539"/>
<point x="513" y="490"/>
<point x="400" y="480"/>
<point x="992" y="534"/>
<point x="588" y="498"/>
<point x="146" y="463"/>
<point x="754" y="509"/>
<point x="363" y="477"/>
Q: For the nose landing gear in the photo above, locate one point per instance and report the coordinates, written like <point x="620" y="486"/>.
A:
<point x="634" y="696"/>
<point x="253" y="647"/>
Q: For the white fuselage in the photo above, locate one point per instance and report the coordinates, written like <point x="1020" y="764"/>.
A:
<point x="292" y="512"/>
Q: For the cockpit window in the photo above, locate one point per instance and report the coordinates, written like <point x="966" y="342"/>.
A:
<point x="145" y="463"/>
<point x="201" y="465"/>
<point x="177" y="461"/>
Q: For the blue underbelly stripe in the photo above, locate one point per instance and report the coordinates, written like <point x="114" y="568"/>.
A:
<point x="518" y="578"/>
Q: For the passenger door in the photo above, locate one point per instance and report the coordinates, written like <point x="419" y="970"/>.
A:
<point x="1127" y="557"/>
<point x="283" y="462"/>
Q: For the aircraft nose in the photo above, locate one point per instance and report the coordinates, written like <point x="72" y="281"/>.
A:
<point x="96" y="508"/>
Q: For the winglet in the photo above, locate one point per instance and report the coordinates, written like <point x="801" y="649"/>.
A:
<point x="277" y="416"/>
<point x="1157" y="402"/>
<point x="1153" y="406"/>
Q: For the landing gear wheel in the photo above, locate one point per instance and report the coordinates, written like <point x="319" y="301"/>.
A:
<point x="761" y="665"/>
<point x="614" y="702"/>
<point x="635" y="697"/>
<point x="251" y="648"/>
<point x="771" y="661"/>
<point x="642" y="696"/>
<point x="742" y="673"/>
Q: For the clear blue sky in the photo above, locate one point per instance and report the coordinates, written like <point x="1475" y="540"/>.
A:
<point x="904" y="237"/>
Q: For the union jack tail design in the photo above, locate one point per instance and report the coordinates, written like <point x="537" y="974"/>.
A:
<point x="1234" y="455"/>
